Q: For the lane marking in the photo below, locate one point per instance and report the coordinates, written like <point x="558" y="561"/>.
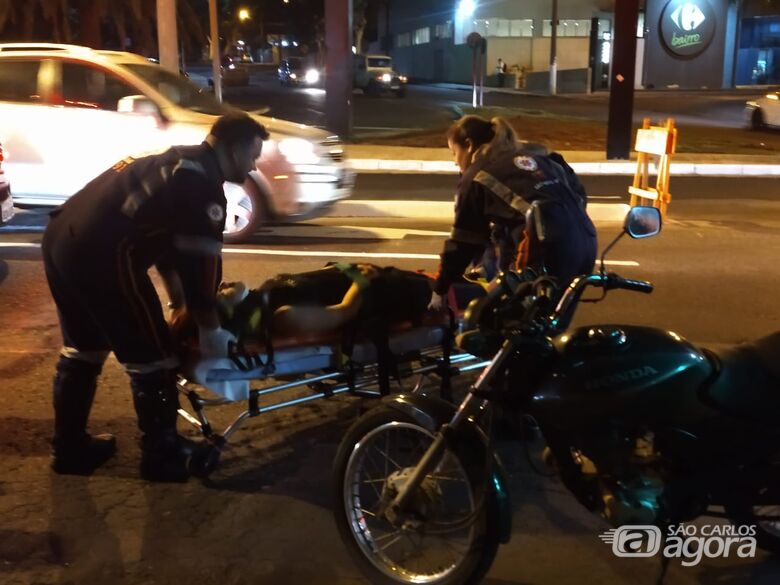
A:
<point x="322" y="253"/>
<point x="19" y="245"/>
<point x="22" y="228"/>
<point x="345" y="232"/>
<point x="410" y="209"/>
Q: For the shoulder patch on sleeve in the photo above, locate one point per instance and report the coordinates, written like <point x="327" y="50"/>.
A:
<point x="215" y="212"/>
<point x="526" y="163"/>
<point x="189" y="165"/>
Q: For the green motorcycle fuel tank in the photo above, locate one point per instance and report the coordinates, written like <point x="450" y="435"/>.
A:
<point x="638" y="374"/>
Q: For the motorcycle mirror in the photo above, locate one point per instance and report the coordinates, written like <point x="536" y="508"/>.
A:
<point x="642" y="222"/>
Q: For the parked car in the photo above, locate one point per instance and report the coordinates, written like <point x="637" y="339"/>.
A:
<point x="765" y="111"/>
<point x="6" y="200"/>
<point x="69" y="112"/>
<point x="374" y="75"/>
<point x="296" y="71"/>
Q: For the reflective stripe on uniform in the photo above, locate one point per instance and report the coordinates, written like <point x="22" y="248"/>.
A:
<point x="169" y="363"/>
<point x="132" y="291"/>
<point x="502" y="191"/>
<point x="468" y="237"/>
<point x="136" y="198"/>
<point x="94" y="356"/>
<point x="190" y="165"/>
<point x="198" y="244"/>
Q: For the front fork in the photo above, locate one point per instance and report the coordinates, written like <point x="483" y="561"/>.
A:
<point x="433" y="455"/>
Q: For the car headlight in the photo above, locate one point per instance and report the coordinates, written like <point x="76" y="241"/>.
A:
<point x="312" y="76"/>
<point x="403" y="78"/>
<point x="387" y="78"/>
<point x="298" y="151"/>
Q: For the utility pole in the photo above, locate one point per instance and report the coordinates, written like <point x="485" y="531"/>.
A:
<point x="621" y="87"/>
<point x="339" y="66"/>
<point x="216" y="74"/>
<point x="167" y="39"/>
<point x="554" y="49"/>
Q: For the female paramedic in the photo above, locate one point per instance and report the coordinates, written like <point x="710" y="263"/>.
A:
<point x="501" y="177"/>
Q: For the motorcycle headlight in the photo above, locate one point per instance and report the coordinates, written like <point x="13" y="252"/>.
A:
<point x="298" y="151"/>
<point x="293" y="76"/>
<point x="312" y="76"/>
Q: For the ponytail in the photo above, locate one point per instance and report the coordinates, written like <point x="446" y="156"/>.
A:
<point x="487" y="138"/>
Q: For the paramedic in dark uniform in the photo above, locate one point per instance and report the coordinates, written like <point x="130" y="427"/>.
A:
<point x="168" y="211"/>
<point x="501" y="178"/>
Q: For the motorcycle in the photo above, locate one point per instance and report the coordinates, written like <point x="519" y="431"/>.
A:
<point x="642" y="427"/>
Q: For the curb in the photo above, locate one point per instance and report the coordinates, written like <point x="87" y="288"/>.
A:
<point x="367" y="165"/>
<point x="443" y="210"/>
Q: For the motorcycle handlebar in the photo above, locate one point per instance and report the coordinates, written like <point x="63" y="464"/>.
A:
<point x="564" y="311"/>
<point x="614" y="281"/>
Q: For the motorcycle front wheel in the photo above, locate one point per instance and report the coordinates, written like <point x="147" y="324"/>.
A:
<point x="449" y="535"/>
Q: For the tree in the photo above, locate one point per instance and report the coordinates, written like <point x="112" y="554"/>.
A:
<point x="359" y="22"/>
<point x="86" y="22"/>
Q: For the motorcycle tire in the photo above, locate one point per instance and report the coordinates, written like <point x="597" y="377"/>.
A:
<point x="356" y="524"/>
<point x="743" y="512"/>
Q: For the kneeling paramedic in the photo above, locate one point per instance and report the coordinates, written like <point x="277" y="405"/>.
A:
<point x="168" y="211"/>
<point x="501" y="178"/>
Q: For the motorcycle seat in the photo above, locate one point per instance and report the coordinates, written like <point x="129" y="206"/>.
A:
<point x="748" y="379"/>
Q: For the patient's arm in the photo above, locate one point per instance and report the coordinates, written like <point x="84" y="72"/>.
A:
<point x="291" y="319"/>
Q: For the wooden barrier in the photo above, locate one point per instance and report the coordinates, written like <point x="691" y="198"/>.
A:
<point x="659" y="144"/>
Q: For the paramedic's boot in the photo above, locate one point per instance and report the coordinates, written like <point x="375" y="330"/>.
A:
<point x="74" y="451"/>
<point x="164" y="454"/>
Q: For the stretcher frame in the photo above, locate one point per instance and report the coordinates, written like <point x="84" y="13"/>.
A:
<point x="356" y="380"/>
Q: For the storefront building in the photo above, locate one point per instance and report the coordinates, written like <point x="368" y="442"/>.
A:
<point x="686" y="44"/>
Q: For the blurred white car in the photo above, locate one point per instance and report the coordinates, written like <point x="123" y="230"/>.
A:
<point x="765" y="111"/>
<point x="6" y="201"/>
<point x="67" y="113"/>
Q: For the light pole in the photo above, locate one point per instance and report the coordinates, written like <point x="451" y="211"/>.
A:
<point x="216" y="74"/>
<point x="338" y="66"/>
<point x="554" y="49"/>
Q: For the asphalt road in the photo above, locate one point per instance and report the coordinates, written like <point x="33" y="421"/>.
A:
<point x="265" y="515"/>
<point x="428" y="106"/>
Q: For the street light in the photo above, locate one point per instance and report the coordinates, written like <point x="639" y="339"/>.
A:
<point x="466" y="8"/>
<point x="243" y="15"/>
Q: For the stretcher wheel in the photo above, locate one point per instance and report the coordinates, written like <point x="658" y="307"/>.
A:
<point x="204" y="460"/>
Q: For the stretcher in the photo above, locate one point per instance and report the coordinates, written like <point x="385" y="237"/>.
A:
<point x="306" y="368"/>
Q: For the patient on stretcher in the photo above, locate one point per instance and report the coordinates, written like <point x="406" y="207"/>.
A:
<point x="295" y="323"/>
<point x="363" y="298"/>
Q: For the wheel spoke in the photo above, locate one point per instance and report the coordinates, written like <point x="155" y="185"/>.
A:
<point x="392" y="542"/>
